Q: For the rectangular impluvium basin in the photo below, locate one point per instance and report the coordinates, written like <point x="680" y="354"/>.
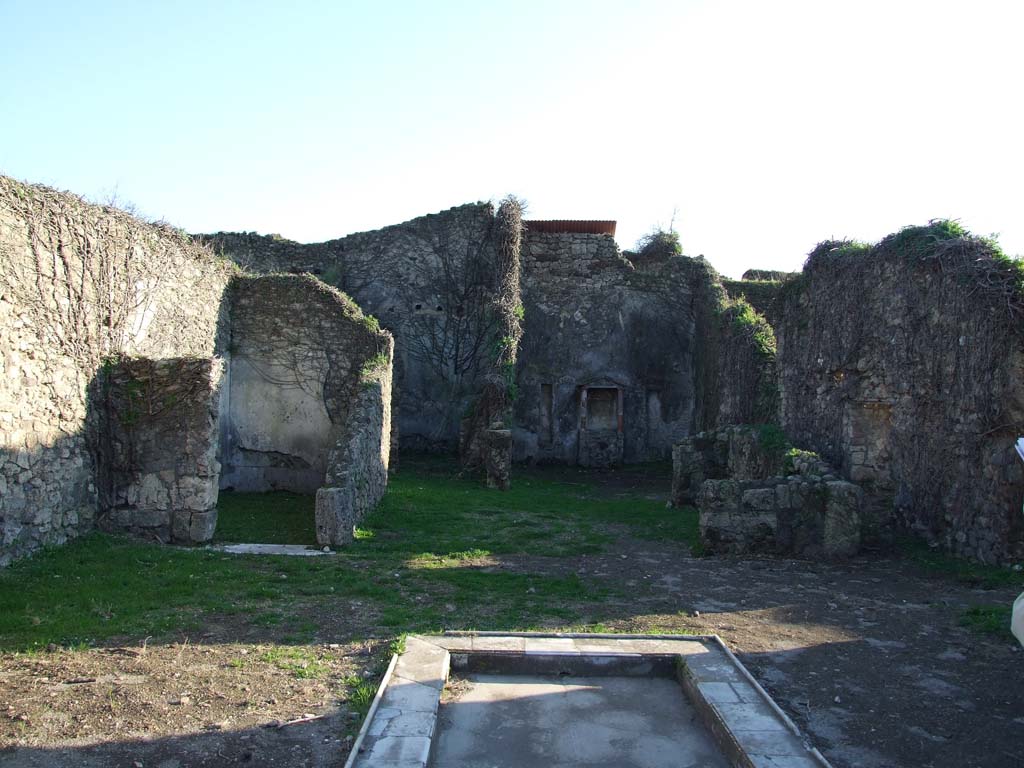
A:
<point x="515" y="700"/>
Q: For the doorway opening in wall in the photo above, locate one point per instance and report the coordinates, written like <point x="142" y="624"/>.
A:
<point x="272" y="517"/>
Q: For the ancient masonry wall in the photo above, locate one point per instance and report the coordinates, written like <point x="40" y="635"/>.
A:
<point x="79" y="285"/>
<point x="609" y="368"/>
<point x="741" y="386"/>
<point x="158" y="444"/>
<point x="902" y="365"/>
<point x="429" y="281"/>
<point x="297" y="358"/>
<point x="357" y="464"/>
<point x="762" y="295"/>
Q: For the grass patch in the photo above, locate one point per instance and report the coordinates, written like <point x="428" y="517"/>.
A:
<point x="431" y="511"/>
<point x="424" y="561"/>
<point x="299" y="662"/>
<point x="988" y="620"/>
<point x="967" y="571"/>
<point x="278" y="517"/>
<point x="360" y="694"/>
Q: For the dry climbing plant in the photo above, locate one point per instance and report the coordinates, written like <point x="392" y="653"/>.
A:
<point x="498" y="391"/>
<point x="81" y="279"/>
<point x="86" y="280"/>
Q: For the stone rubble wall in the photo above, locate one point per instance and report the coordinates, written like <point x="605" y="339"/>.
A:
<point x="357" y="465"/>
<point x="754" y="496"/>
<point x="743" y="383"/>
<point x="427" y="281"/>
<point x="161" y="438"/>
<point x="762" y="295"/>
<point x="80" y="283"/>
<point x="902" y="365"/>
<point x="790" y="516"/>
<point x="594" y="318"/>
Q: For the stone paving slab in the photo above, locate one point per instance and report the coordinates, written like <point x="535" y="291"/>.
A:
<point x="289" y="550"/>
<point x="400" y="730"/>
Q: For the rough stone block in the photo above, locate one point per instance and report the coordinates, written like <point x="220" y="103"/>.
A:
<point x="181" y="522"/>
<point x="842" y="523"/>
<point x="759" y="499"/>
<point x="153" y="492"/>
<point x="148" y="518"/>
<point x="336" y="516"/>
<point x="197" y="493"/>
<point x="202" y="526"/>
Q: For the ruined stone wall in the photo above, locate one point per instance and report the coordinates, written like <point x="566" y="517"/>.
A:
<point x="593" y="319"/>
<point x="357" y="464"/>
<point x="159" y="438"/>
<point x="742" y="385"/>
<point x="762" y="295"/>
<point x="297" y="353"/>
<point x="756" y="494"/>
<point x="81" y="284"/>
<point x="429" y="281"/>
<point x="902" y="365"/>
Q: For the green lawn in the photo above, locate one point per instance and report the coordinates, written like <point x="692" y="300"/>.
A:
<point x="268" y="518"/>
<point x="420" y="563"/>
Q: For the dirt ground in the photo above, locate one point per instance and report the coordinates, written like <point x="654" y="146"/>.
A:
<point x="867" y="656"/>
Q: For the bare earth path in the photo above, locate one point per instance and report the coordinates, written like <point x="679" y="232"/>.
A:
<point x="867" y="656"/>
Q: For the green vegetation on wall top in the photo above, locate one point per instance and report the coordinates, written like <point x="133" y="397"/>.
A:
<point x="659" y="243"/>
<point x="745" y="319"/>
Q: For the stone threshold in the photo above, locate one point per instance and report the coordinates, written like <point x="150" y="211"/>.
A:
<point x="747" y="725"/>
<point x="288" y="550"/>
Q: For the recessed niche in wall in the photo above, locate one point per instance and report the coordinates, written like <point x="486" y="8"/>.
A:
<point x="602" y="408"/>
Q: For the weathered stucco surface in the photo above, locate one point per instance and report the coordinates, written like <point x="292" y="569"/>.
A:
<point x="309" y="391"/>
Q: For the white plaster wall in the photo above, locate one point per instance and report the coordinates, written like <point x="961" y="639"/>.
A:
<point x="278" y="435"/>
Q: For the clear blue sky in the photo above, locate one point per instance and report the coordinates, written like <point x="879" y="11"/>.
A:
<point x="769" y="125"/>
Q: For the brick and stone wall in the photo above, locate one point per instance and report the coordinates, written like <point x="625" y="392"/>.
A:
<point x="80" y="284"/>
<point x="902" y="364"/>
<point x="601" y="332"/>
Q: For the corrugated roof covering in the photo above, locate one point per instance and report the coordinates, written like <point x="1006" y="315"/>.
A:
<point x="579" y="226"/>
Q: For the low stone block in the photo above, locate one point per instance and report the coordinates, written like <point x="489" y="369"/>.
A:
<point x="842" y="519"/>
<point x="202" y="526"/>
<point x="148" y="518"/>
<point x="336" y="516"/>
<point x="181" y="522"/>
